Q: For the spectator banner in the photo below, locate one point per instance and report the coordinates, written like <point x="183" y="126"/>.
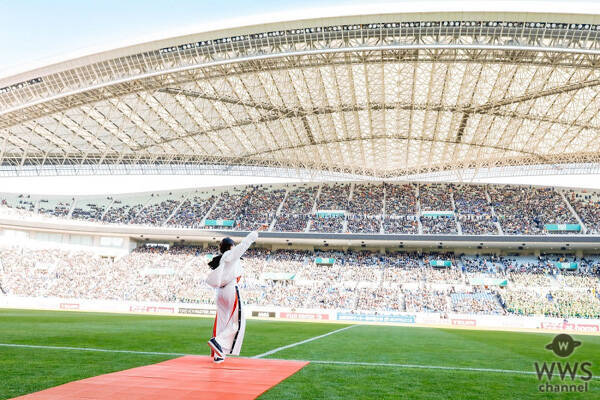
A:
<point x="196" y="311"/>
<point x="403" y="319"/>
<point x="570" y="326"/>
<point x="152" y="309"/>
<point x="69" y="306"/>
<point x="330" y="213"/>
<point x="436" y="214"/>
<point x="278" y="276"/>
<point x="440" y="263"/>
<point x="219" y="222"/>
<point x="264" y="314"/>
<point x="463" y="322"/>
<point x="562" y="227"/>
<point x="488" y="281"/>
<point x="324" y="261"/>
<point x="300" y="315"/>
<point x="567" y="265"/>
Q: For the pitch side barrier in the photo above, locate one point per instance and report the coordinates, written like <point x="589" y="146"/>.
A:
<point x="473" y="321"/>
<point x="146" y="233"/>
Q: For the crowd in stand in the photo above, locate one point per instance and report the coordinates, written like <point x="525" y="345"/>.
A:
<point x="477" y="225"/>
<point x="92" y="212"/>
<point x="60" y="209"/>
<point x="192" y="212"/>
<point x="438" y="224"/>
<point x="474" y="211"/>
<point x="334" y="197"/>
<point x="249" y="207"/>
<point x="587" y="206"/>
<point x="260" y="208"/>
<point x="485" y="302"/>
<point x="526" y="210"/>
<point x="364" y="224"/>
<point x="435" y="197"/>
<point x="155" y="214"/>
<point x="364" y="281"/>
<point x="426" y="300"/>
<point x="366" y="199"/>
<point x="367" y="208"/>
<point x="400" y="199"/>
<point x="291" y="222"/>
<point x="407" y="224"/>
<point x="553" y="303"/>
<point x="120" y="213"/>
<point x="327" y="224"/>
<point x="300" y="200"/>
<point x="296" y="209"/>
<point x="23" y="202"/>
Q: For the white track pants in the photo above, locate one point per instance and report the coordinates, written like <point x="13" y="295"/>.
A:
<point x="230" y="323"/>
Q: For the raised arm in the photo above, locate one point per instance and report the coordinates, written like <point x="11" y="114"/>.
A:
<point x="241" y="248"/>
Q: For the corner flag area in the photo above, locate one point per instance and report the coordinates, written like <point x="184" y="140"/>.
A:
<point x="184" y="378"/>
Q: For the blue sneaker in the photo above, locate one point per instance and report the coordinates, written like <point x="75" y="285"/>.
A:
<point x="218" y="360"/>
<point x="216" y="347"/>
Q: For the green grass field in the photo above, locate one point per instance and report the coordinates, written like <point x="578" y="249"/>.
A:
<point x="25" y="370"/>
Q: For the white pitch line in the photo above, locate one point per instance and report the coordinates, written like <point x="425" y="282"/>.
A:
<point x="418" y="366"/>
<point x="330" y="362"/>
<point x="268" y="353"/>
<point x="31" y="346"/>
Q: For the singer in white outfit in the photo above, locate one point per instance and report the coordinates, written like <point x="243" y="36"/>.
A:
<point x="230" y="322"/>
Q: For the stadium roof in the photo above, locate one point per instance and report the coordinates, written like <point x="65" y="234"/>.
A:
<point x="380" y="96"/>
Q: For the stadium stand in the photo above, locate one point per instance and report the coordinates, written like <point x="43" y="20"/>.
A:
<point x="191" y="212"/>
<point x="400" y="209"/>
<point x="587" y="207"/>
<point x="124" y="209"/>
<point x="474" y="211"/>
<point x="54" y="207"/>
<point x="438" y="200"/>
<point x="356" y="280"/>
<point x="91" y="210"/>
<point x="375" y="208"/>
<point x="366" y="208"/>
<point x="526" y="210"/>
<point x="296" y="209"/>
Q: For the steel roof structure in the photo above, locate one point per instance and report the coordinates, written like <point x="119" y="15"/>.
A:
<point x="372" y="96"/>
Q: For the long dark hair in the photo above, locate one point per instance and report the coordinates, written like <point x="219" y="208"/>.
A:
<point x="214" y="263"/>
<point x="226" y="244"/>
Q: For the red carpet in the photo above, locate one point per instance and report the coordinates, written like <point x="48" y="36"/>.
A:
<point x="185" y="378"/>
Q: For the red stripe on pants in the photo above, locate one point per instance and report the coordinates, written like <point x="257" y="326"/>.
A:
<point x="212" y="352"/>
<point x="234" y="306"/>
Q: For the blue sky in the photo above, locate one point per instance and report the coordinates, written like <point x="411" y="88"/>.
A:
<point x="36" y="30"/>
